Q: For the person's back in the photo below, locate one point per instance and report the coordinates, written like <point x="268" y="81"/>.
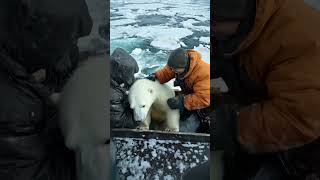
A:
<point x="22" y="144"/>
<point x="281" y="52"/>
<point x="30" y="149"/>
<point x="123" y="68"/>
<point x="271" y="71"/>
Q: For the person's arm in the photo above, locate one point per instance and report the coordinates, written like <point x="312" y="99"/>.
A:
<point x="164" y="75"/>
<point x="291" y="117"/>
<point x="200" y="98"/>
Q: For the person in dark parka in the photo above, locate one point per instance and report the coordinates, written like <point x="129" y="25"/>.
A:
<point x="35" y="35"/>
<point x="123" y="68"/>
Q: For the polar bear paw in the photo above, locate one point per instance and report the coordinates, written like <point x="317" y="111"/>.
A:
<point x="171" y="130"/>
<point x="142" y="128"/>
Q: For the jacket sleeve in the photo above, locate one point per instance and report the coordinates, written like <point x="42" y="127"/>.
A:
<point x="291" y="117"/>
<point x="164" y="75"/>
<point x="201" y="96"/>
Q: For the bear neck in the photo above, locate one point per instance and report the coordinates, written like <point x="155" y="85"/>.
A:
<point x="157" y="99"/>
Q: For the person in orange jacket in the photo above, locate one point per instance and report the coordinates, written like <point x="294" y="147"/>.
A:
<point x="192" y="74"/>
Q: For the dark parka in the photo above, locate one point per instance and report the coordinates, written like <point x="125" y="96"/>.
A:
<point x="39" y="35"/>
<point x="123" y="68"/>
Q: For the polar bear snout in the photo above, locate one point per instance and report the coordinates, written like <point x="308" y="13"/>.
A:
<point x="140" y="114"/>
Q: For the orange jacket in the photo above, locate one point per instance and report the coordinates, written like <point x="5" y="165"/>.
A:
<point x="283" y="52"/>
<point x="197" y="78"/>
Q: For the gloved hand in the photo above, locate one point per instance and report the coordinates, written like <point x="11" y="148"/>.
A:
<point x="152" y="77"/>
<point x="176" y="103"/>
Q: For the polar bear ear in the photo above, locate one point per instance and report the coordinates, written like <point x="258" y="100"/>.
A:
<point x="150" y="90"/>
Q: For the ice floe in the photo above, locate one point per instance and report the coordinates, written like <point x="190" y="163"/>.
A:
<point x="205" y="40"/>
<point x="205" y="52"/>
<point x="150" y="29"/>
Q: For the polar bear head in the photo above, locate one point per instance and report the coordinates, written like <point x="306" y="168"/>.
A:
<point x="142" y="95"/>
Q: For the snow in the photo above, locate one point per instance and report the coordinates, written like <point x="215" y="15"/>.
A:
<point x="204" y="51"/>
<point x="160" y="31"/>
<point x="165" y="43"/>
<point x="205" y="40"/>
<point x="160" y="158"/>
<point x="181" y="167"/>
<point x="156" y="177"/>
<point x="189" y="145"/>
<point x="206" y="158"/>
<point x="183" y="44"/>
<point x="136" y="51"/>
<point x="168" y="177"/>
<point x="192" y="165"/>
<point x="154" y="153"/>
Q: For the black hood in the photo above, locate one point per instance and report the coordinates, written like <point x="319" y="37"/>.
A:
<point x="230" y="10"/>
<point x="123" y="67"/>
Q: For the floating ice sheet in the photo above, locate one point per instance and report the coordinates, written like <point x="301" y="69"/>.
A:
<point x="157" y="27"/>
<point x="205" y="40"/>
<point x="205" y="52"/>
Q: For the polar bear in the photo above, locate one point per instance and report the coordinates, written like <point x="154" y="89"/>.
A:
<point x="83" y="118"/>
<point x="148" y="99"/>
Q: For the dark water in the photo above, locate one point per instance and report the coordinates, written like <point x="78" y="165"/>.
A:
<point x="147" y="20"/>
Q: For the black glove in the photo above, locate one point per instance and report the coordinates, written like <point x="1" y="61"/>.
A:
<point x="176" y="83"/>
<point x="176" y="103"/>
<point x="152" y="77"/>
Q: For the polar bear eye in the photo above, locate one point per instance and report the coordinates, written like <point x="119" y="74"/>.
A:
<point x="143" y="106"/>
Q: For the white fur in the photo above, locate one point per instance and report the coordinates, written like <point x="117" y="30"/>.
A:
<point x="84" y="118"/>
<point x="148" y="99"/>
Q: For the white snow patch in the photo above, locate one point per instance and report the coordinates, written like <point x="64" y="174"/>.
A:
<point x="204" y="51"/>
<point x="168" y="177"/>
<point x="189" y="145"/>
<point x="152" y="143"/>
<point x="145" y="6"/>
<point x="183" y="44"/>
<point x="136" y="51"/>
<point x="205" y="40"/>
<point x="192" y="165"/>
<point x="164" y="32"/>
<point x="166" y="43"/>
<point x="156" y="177"/>
<point x="181" y="166"/>
<point x="154" y="153"/>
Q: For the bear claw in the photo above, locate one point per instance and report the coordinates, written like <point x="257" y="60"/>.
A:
<point x="142" y="128"/>
<point x="170" y="130"/>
